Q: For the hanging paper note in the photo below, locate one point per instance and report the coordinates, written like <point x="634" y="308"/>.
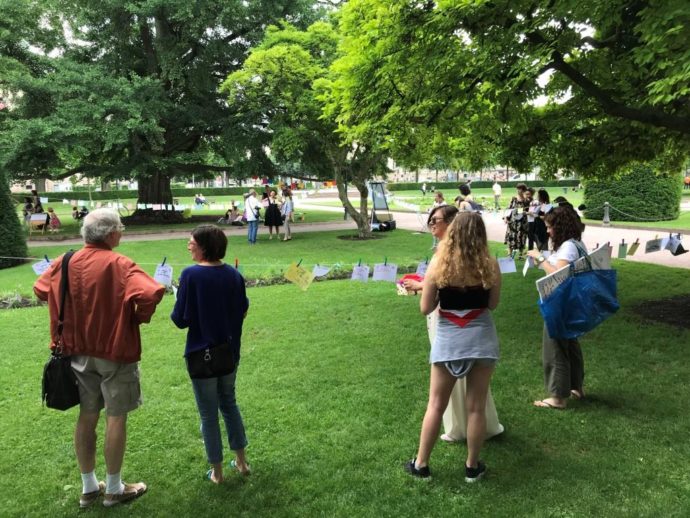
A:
<point x="507" y="265"/>
<point x="41" y="266"/>
<point x="653" y="245"/>
<point x="633" y="248"/>
<point x="141" y="206"/>
<point x="421" y="268"/>
<point x="622" y="250"/>
<point x="65" y="202"/>
<point x="43" y="200"/>
<point x="385" y="272"/>
<point x="320" y="271"/>
<point x="164" y="274"/>
<point x="360" y="273"/>
<point x="299" y="276"/>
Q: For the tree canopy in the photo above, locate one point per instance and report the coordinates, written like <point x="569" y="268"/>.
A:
<point x="586" y="86"/>
<point x="132" y="90"/>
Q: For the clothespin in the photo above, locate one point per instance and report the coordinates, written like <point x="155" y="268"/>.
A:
<point x="623" y="241"/>
<point x="300" y="262"/>
<point x="237" y="263"/>
<point x="426" y="259"/>
<point x="596" y="246"/>
<point x="360" y="262"/>
<point x="385" y="261"/>
<point x="47" y="260"/>
<point x="164" y="259"/>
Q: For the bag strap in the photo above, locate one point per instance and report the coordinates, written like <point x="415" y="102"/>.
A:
<point x="64" y="289"/>
<point x="581" y="253"/>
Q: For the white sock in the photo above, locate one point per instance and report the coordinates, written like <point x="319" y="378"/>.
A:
<point x="89" y="482"/>
<point x="113" y="484"/>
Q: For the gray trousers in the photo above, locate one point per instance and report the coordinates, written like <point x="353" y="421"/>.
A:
<point x="564" y="366"/>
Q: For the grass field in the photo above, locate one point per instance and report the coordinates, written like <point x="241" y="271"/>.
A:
<point x="333" y="386"/>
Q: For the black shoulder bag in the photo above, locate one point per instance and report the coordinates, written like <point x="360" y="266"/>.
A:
<point x="213" y="362"/>
<point x="60" y="388"/>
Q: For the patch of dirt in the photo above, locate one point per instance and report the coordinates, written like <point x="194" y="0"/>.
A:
<point x="674" y="311"/>
<point x="354" y="237"/>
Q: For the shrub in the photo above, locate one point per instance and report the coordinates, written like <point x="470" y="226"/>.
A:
<point x="640" y="194"/>
<point x="12" y="238"/>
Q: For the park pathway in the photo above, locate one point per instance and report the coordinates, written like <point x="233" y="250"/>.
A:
<point x="593" y="235"/>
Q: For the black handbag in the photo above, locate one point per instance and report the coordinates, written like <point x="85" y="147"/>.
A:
<point x="60" y="389"/>
<point x="213" y="362"/>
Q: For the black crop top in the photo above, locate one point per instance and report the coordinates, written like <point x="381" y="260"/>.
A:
<point x="470" y="297"/>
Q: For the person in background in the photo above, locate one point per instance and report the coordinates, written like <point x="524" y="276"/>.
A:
<point x="541" y="237"/>
<point x="251" y="213"/>
<point x="212" y="304"/>
<point x="286" y="211"/>
<point x="439" y="200"/>
<point x="464" y="282"/>
<point x="28" y="209"/>
<point x="424" y="189"/>
<point x="517" y="223"/>
<point x="109" y="298"/>
<point x="455" y="415"/>
<point x="564" y="369"/>
<point x="273" y="218"/>
<point x="53" y="220"/>
<point x="496" y="187"/>
<point x="532" y="210"/>
<point x="36" y="200"/>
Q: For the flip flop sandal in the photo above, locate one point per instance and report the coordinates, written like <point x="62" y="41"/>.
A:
<point x="545" y="404"/>
<point x="209" y="475"/>
<point x="576" y="394"/>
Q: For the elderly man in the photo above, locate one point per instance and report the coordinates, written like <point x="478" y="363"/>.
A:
<point x="109" y="296"/>
<point x="251" y="212"/>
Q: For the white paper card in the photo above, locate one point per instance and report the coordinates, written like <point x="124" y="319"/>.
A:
<point x="41" y="266"/>
<point x="320" y="271"/>
<point x="360" y="273"/>
<point x="385" y="272"/>
<point x="507" y="265"/>
<point x="529" y="263"/>
<point x="43" y="200"/>
<point x="421" y="268"/>
<point x="163" y="275"/>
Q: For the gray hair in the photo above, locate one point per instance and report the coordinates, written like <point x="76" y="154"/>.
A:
<point x="99" y="223"/>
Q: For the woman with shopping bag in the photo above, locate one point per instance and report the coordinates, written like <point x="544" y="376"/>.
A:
<point x="564" y="368"/>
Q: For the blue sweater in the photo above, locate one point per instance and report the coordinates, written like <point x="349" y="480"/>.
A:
<point x="211" y="302"/>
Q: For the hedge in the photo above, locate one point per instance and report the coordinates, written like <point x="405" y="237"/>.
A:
<point x="640" y="194"/>
<point x="479" y="184"/>
<point x="12" y="238"/>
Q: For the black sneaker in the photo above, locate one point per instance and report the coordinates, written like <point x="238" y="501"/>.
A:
<point x="474" y="474"/>
<point x="417" y="472"/>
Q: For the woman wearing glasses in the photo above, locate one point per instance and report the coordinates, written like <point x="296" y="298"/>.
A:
<point x="455" y="415"/>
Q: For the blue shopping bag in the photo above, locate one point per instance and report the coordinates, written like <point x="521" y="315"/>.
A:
<point x="582" y="302"/>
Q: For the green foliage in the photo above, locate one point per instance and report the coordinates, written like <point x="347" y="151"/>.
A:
<point x="640" y="194"/>
<point x="465" y="80"/>
<point x="12" y="239"/>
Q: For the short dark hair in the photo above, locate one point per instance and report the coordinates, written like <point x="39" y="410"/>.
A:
<point x="211" y="240"/>
<point x="448" y="212"/>
<point x="464" y="189"/>
<point x="521" y="187"/>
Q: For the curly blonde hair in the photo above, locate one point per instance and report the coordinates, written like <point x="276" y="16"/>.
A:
<point x="463" y="257"/>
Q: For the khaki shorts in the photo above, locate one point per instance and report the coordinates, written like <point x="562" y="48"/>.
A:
<point x="103" y="383"/>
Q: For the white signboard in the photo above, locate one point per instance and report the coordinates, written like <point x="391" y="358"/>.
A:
<point x="164" y="274"/>
<point x="320" y="271"/>
<point x="507" y="265"/>
<point x="41" y="266"/>
<point x="385" y="272"/>
<point x="360" y="273"/>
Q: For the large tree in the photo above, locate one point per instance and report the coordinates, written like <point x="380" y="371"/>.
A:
<point x="588" y="86"/>
<point x="281" y="92"/>
<point x="133" y="90"/>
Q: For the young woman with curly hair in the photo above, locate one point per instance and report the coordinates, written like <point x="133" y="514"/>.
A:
<point x="564" y="368"/>
<point x="464" y="280"/>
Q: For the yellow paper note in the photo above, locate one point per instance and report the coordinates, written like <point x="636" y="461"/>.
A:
<point x="299" y="276"/>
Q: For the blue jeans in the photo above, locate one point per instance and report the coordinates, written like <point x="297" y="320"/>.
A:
<point x="211" y="395"/>
<point x="252" y="228"/>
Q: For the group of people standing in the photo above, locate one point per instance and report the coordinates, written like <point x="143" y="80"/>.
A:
<point x="524" y="220"/>
<point x="33" y="205"/>
<point x="108" y="298"/>
<point x="277" y="213"/>
<point x="460" y="289"/>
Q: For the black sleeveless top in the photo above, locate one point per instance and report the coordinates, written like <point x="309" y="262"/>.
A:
<point x="469" y="297"/>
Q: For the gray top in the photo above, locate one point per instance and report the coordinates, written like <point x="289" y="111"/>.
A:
<point x="465" y="334"/>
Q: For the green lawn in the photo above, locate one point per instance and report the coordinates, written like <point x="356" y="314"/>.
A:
<point x="333" y="386"/>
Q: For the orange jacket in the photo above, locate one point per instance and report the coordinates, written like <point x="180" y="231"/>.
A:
<point x="109" y="296"/>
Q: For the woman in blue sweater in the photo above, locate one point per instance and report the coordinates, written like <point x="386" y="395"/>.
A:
<point x="211" y="304"/>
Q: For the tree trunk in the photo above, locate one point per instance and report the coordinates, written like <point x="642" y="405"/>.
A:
<point x="360" y="217"/>
<point x="155" y="190"/>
